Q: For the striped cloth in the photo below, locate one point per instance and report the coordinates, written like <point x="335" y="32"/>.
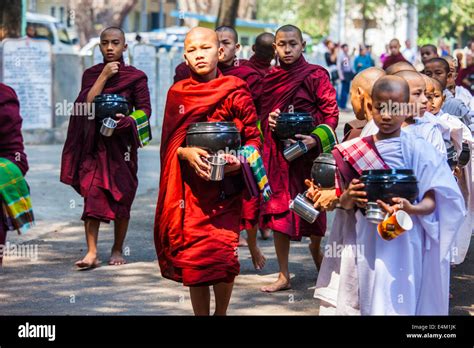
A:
<point x="15" y="197"/>
<point x="360" y="155"/>
<point x="252" y="156"/>
<point x="327" y="137"/>
<point x="143" y="127"/>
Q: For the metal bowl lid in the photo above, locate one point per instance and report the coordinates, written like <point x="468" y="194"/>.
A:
<point x="110" y="98"/>
<point x="212" y="127"/>
<point x="389" y="175"/>
<point x="295" y="117"/>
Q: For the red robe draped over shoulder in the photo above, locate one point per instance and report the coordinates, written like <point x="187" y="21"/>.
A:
<point x="390" y="60"/>
<point x="11" y="140"/>
<point x="259" y="65"/>
<point x="299" y="87"/>
<point x="101" y="169"/>
<point x="197" y="221"/>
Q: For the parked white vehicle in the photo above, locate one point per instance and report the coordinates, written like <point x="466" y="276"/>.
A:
<point x="41" y="26"/>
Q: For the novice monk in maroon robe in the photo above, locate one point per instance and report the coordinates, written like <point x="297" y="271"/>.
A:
<point x="293" y="86"/>
<point x="102" y="169"/>
<point x="197" y="220"/>
<point x="230" y="65"/>
<point x="263" y="55"/>
<point x="11" y="142"/>
<point x="395" y="55"/>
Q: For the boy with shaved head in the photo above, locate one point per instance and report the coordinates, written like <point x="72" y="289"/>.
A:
<point x="395" y="54"/>
<point x="439" y="69"/>
<point x="407" y="275"/>
<point x="428" y="52"/>
<point x="264" y="54"/>
<point x="102" y="169"/>
<point x="197" y="220"/>
<point x="294" y="86"/>
<point x="459" y="92"/>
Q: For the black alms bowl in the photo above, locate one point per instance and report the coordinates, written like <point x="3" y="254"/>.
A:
<point x="324" y="170"/>
<point x="213" y="136"/>
<point x="289" y="124"/>
<point x="107" y="105"/>
<point x="385" y="184"/>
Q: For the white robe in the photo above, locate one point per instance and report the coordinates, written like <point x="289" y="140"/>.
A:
<point x="460" y="133"/>
<point x="463" y="94"/>
<point x="410" y="274"/>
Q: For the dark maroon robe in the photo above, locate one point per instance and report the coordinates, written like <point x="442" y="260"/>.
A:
<point x="11" y="140"/>
<point x="299" y="87"/>
<point x="390" y="60"/>
<point x="259" y="65"/>
<point x="101" y="169"/>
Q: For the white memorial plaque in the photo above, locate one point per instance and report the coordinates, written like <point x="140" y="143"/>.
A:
<point x="27" y="68"/>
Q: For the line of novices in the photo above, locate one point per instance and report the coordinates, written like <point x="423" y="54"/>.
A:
<point x="198" y="221"/>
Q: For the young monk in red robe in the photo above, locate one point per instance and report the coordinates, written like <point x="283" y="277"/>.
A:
<point x="296" y="86"/>
<point x="230" y="65"/>
<point x="102" y="169"/>
<point x="395" y="54"/>
<point x="261" y="60"/>
<point x="197" y="221"/>
<point x="11" y="144"/>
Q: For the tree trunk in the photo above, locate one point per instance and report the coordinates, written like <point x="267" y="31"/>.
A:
<point x="10" y="19"/>
<point x="228" y="10"/>
<point x="91" y="20"/>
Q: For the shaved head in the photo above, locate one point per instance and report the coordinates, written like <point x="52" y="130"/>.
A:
<point x="200" y="33"/>
<point x="430" y="47"/>
<point x="428" y="82"/>
<point x="410" y="75"/>
<point x="394" y="87"/>
<point x="399" y="66"/>
<point x="440" y="61"/>
<point x="112" y="29"/>
<point x="361" y="89"/>
<point x="263" y="47"/>
<point x="290" y="28"/>
<point x="366" y="79"/>
<point x="230" y="30"/>
<point x="436" y="84"/>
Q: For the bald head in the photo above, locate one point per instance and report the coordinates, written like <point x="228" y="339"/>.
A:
<point x="436" y="85"/>
<point x="113" y="30"/>
<point x="290" y="28"/>
<point x="263" y="47"/>
<point x="399" y="66"/>
<point x="391" y="88"/>
<point x="361" y="89"/>
<point x="200" y="34"/>
<point x="366" y="79"/>
<point x="226" y="28"/>
<point x="410" y="75"/>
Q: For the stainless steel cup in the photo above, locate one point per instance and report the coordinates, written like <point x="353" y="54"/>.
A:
<point x="374" y="213"/>
<point x="217" y="167"/>
<point x="303" y="207"/>
<point x="294" y="151"/>
<point x="108" y="127"/>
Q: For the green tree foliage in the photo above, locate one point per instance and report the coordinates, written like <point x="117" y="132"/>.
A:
<point x="312" y="16"/>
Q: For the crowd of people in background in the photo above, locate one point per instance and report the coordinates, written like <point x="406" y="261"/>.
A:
<point x="343" y="63"/>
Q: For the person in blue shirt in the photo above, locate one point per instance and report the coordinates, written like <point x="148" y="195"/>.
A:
<point x="363" y="60"/>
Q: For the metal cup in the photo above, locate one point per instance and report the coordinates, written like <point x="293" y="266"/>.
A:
<point x="294" y="151"/>
<point x="304" y="208"/>
<point x="217" y="167"/>
<point x="108" y="127"/>
<point x="374" y="213"/>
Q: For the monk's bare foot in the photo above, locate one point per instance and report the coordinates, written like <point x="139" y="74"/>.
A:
<point x="242" y="241"/>
<point x="116" y="258"/>
<point x="258" y="258"/>
<point x="317" y="256"/>
<point x="88" y="262"/>
<point x="265" y="233"/>
<point x="280" y="285"/>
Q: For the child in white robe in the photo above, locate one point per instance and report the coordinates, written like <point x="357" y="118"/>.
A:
<point x="410" y="274"/>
